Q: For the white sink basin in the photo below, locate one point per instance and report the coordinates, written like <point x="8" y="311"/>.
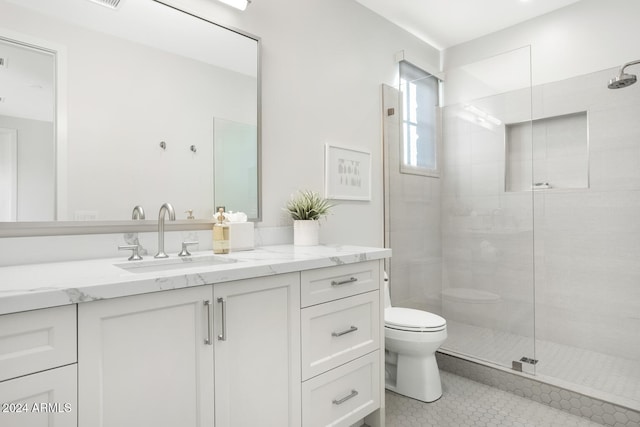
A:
<point x="174" y="263"/>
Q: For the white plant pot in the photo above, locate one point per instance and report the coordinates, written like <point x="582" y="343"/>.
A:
<point x="306" y="232"/>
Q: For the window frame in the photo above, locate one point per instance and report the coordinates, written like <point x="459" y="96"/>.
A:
<point x="418" y="74"/>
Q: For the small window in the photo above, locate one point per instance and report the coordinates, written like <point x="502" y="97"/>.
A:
<point x="420" y="103"/>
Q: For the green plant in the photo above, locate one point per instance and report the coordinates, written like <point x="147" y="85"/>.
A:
<point x="307" y="205"/>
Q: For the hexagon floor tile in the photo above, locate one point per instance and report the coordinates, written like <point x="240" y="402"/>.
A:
<point x="605" y="374"/>
<point x="466" y="403"/>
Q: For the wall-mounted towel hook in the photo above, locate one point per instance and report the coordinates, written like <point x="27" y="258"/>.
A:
<point x="193" y="148"/>
<point x="163" y="145"/>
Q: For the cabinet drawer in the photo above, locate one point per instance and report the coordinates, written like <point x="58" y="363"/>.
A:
<point x="343" y="395"/>
<point x="337" y="332"/>
<point x="36" y="340"/>
<point x="331" y="283"/>
<point x="47" y="398"/>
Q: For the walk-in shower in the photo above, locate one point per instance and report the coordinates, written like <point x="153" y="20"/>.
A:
<point x="538" y="279"/>
<point x="623" y="79"/>
<point x="561" y="261"/>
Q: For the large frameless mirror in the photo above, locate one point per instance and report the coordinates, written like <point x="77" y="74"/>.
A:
<point x="103" y="108"/>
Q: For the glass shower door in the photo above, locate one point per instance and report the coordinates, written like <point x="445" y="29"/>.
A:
<point x="487" y="211"/>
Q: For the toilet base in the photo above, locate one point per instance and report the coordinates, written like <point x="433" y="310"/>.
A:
<point x="415" y="377"/>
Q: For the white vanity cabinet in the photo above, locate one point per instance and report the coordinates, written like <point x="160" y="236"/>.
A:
<point x="147" y="360"/>
<point x="38" y="368"/>
<point x="257" y="356"/>
<point x="284" y="337"/>
<point x="342" y="345"/>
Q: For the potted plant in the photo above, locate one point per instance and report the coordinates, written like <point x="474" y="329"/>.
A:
<point x="306" y="208"/>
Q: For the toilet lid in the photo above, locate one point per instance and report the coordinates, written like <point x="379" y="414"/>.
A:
<point x="409" y="319"/>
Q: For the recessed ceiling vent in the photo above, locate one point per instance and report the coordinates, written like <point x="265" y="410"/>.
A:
<point x="111" y="4"/>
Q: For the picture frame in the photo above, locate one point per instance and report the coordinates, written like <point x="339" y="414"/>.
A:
<point x="347" y="173"/>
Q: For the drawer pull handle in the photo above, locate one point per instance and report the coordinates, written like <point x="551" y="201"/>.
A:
<point x="207" y="305"/>
<point x="344" y="282"/>
<point x="223" y="335"/>
<point x="348" y="331"/>
<point x="351" y="395"/>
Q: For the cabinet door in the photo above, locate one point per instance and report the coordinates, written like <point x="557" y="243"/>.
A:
<point x="45" y="399"/>
<point x="257" y="365"/>
<point x="144" y="360"/>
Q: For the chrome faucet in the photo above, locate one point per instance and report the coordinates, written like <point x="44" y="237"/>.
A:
<point x="172" y="216"/>
<point x="138" y="212"/>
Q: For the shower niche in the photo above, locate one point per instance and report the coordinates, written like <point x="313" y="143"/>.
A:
<point x="547" y="153"/>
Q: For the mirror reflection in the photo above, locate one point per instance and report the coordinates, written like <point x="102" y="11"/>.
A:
<point x="235" y="158"/>
<point x="27" y="143"/>
<point x="104" y="109"/>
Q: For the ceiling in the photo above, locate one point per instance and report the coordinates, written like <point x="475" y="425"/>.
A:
<point x="443" y="24"/>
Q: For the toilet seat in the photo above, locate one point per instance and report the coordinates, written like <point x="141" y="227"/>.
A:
<point x="408" y="319"/>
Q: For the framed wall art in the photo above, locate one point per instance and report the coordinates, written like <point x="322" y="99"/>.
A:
<point x="347" y="173"/>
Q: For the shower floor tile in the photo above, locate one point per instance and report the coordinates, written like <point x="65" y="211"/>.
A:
<point x="608" y="377"/>
<point x="467" y="403"/>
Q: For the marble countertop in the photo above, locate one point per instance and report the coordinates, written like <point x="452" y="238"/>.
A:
<point x="34" y="286"/>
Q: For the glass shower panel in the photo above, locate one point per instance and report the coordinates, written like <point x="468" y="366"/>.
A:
<point x="587" y="236"/>
<point x="487" y="228"/>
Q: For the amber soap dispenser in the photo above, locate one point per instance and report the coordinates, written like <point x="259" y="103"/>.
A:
<point x="220" y="234"/>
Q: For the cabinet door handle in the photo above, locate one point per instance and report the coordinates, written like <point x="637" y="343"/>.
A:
<point x="208" y="307"/>
<point x="351" y="395"/>
<point x="348" y="331"/>
<point x="223" y="335"/>
<point x="344" y="282"/>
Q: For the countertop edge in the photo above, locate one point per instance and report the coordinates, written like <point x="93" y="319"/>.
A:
<point x="261" y="262"/>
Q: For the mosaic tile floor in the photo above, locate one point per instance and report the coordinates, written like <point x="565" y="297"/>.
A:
<point x="609" y="377"/>
<point x="466" y="403"/>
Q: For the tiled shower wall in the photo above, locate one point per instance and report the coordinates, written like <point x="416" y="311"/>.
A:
<point x="571" y="256"/>
<point x="588" y="242"/>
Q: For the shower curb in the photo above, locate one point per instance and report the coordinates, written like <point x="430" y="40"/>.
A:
<point x="593" y="409"/>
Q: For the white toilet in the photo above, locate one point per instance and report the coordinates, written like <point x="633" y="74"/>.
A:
<point x="411" y="340"/>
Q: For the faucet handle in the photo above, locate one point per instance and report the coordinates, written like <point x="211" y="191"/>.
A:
<point x="135" y="256"/>
<point x="184" y="251"/>
<point x="138" y="212"/>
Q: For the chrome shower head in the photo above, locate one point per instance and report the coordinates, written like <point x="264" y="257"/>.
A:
<point x="623" y="79"/>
